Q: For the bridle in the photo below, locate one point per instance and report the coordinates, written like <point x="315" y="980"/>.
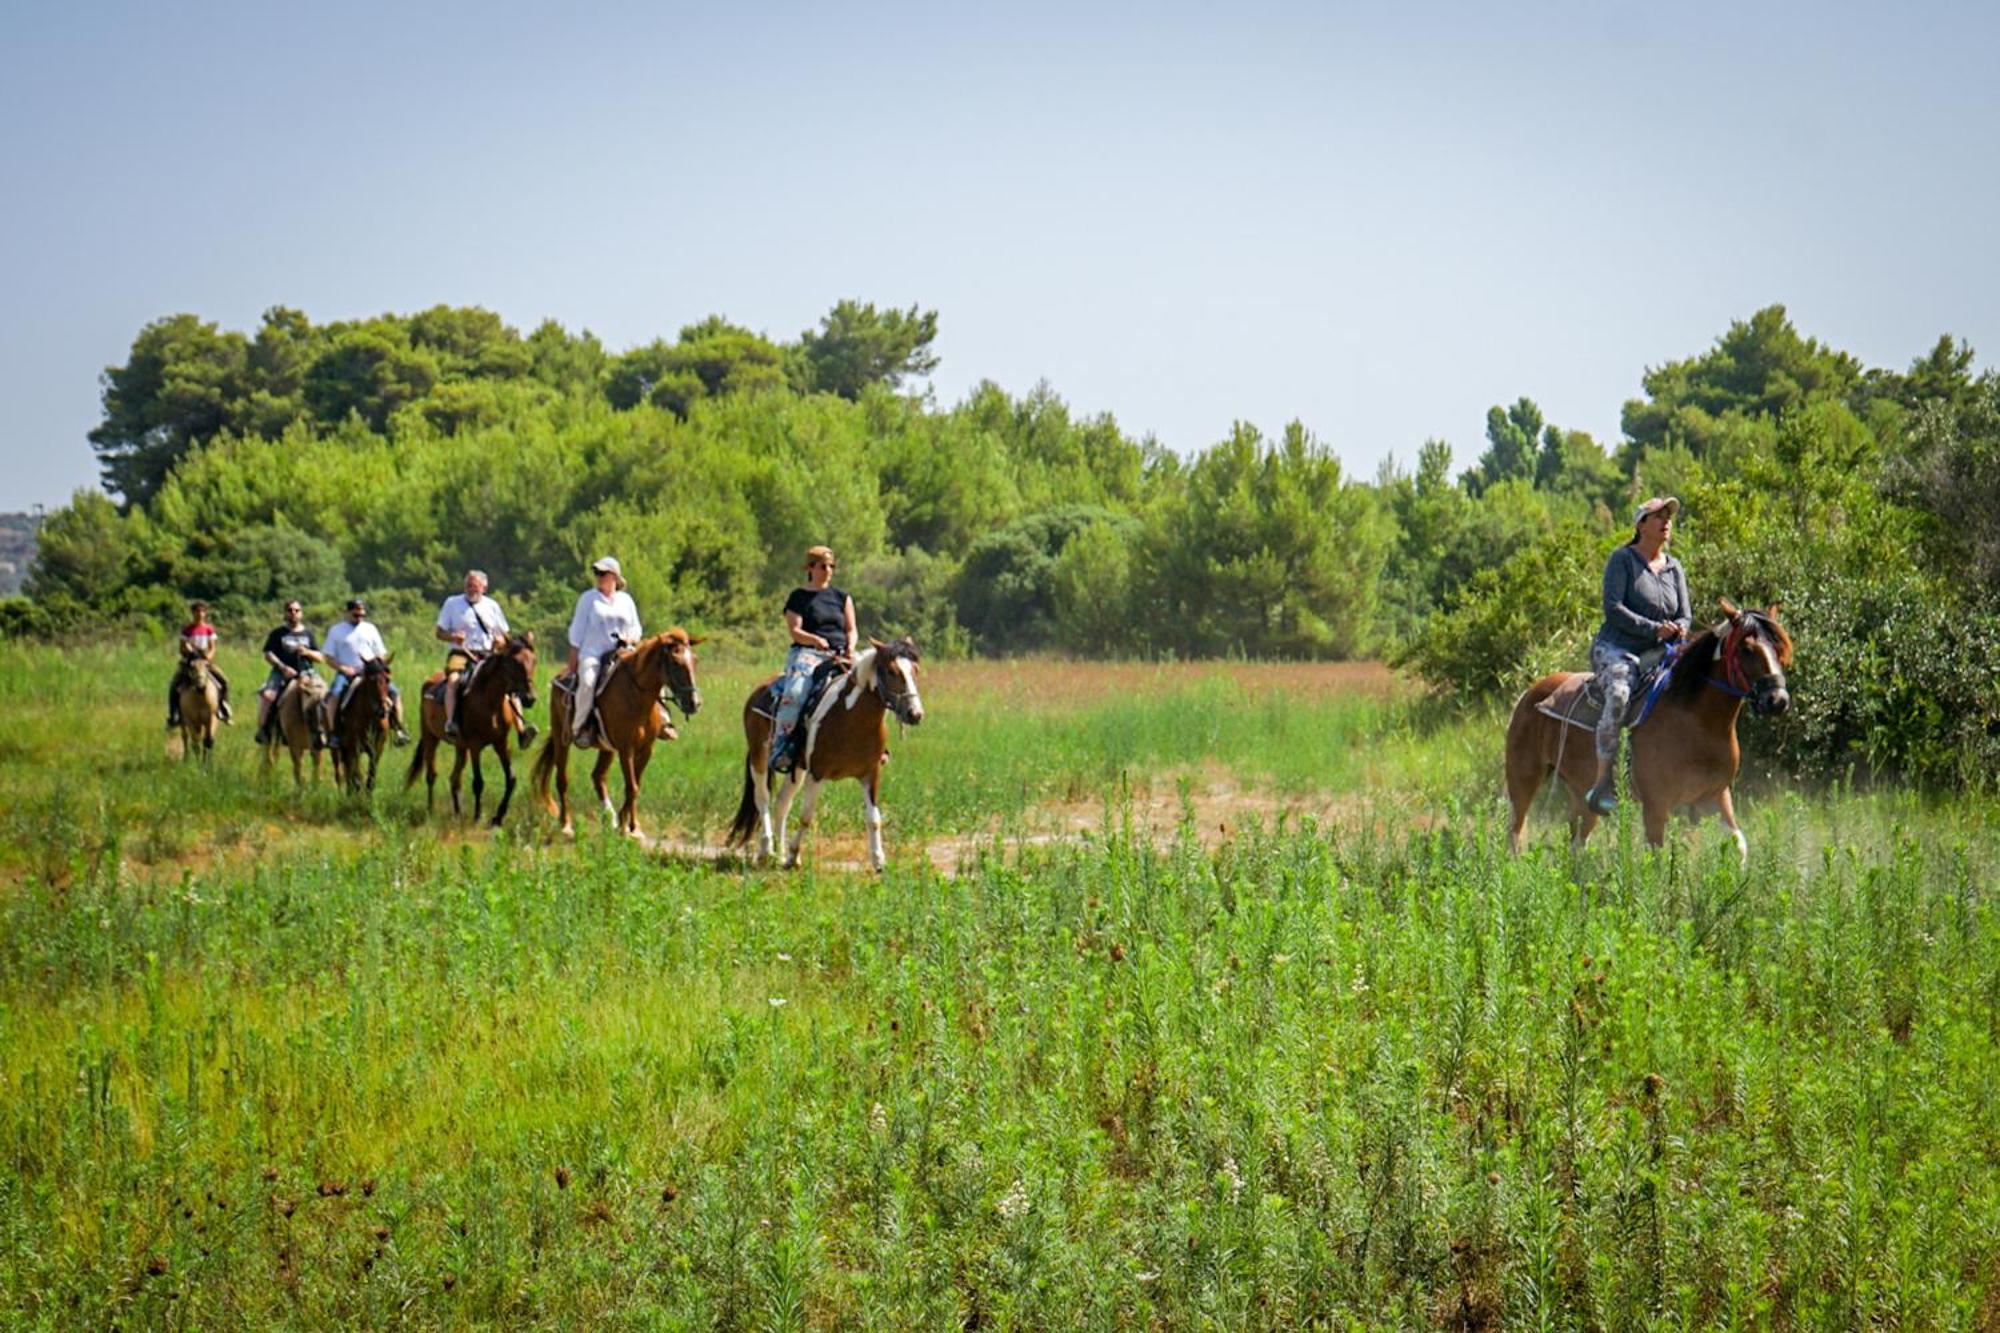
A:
<point x="895" y="701"/>
<point x="1735" y="680"/>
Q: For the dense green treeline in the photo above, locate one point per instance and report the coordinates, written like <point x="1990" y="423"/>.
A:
<point x="388" y="455"/>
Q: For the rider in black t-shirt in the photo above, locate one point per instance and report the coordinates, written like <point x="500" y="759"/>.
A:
<point x="291" y="650"/>
<point x="820" y="619"/>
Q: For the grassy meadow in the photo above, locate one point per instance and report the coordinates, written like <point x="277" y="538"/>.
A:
<point x="1193" y="996"/>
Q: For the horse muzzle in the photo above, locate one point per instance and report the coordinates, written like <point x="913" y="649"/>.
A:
<point x="690" y="702"/>
<point x="1772" y="703"/>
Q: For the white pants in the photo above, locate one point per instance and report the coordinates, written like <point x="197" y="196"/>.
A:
<point x="587" y="671"/>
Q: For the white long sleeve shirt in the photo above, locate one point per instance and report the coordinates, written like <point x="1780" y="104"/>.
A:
<point x="602" y="623"/>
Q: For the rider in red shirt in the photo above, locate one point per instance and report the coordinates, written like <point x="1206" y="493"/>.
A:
<point x="197" y="640"/>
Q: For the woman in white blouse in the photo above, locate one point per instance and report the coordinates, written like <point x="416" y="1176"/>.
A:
<point x="606" y="619"/>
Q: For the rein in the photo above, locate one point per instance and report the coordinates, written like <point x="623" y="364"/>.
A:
<point x="1732" y="681"/>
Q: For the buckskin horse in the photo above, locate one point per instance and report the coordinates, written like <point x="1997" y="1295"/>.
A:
<point x="292" y="724"/>
<point x="367" y="711"/>
<point x="492" y="707"/>
<point x="1685" y="753"/>
<point x="849" y="739"/>
<point x="631" y="705"/>
<point x="200" y="702"/>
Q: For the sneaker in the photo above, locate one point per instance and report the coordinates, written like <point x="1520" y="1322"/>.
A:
<point x="1601" y="800"/>
<point x="402" y="737"/>
<point x="228" y="718"/>
<point x="451" y="728"/>
<point x="528" y="734"/>
<point x="173" y="724"/>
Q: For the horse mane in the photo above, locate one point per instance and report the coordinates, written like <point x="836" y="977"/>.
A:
<point x="1692" y="668"/>
<point x="1703" y="648"/>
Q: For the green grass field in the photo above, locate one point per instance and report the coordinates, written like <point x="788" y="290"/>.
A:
<point x="1193" y="996"/>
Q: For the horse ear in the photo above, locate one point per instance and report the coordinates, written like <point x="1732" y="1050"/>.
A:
<point x="527" y="637"/>
<point x="1729" y="608"/>
<point x="877" y="644"/>
<point x="1771" y="611"/>
<point x="695" y="639"/>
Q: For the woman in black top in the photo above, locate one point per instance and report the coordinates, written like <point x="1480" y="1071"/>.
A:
<point x="820" y="618"/>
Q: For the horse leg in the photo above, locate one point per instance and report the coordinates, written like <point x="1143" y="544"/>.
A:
<point x="1525" y="775"/>
<point x="507" y="775"/>
<point x="1655" y="814"/>
<point x="598" y="771"/>
<point x="798" y="835"/>
<point x="478" y="784"/>
<point x="640" y="758"/>
<point x="628" y="810"/>
<point x="560" y="739"/>
<point x="871" y="815"/>
<point x="1725" y="806"/>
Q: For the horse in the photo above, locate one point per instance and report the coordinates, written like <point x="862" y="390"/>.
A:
<point x="1685" y="753"/>
<point x="200" y="705"/>
<point x="631" y="706"/>
<point x="849" y="739"/>
<point x="292" y="724"/>
<point x="362" y="725"/>
<point x="492" y="706"/>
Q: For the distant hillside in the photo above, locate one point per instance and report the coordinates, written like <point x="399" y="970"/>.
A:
<point x="17" y="549"/>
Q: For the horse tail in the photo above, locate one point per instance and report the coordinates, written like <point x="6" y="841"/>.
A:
<point x="746" y="811"/>
<point x="418" y="753"/>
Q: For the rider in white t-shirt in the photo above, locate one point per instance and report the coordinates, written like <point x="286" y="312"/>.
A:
<point x="349" y="647"/>
<point x="470" y="622"/>
<point x="605" y="619"/>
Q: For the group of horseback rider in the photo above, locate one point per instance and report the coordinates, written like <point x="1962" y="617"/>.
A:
<point x="819" y="619"/>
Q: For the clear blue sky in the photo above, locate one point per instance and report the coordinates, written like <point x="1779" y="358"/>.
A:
<point x="1377" y="219"/>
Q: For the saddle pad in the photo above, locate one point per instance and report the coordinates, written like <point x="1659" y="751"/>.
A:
<point x="766" y="702"/>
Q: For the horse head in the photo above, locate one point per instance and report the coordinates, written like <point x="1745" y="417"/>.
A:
<point x="1755" y="652"/>
<point x="375" y="678"/>
<point x="677" y="663"/>
<point x="517" y="664"/>
<point x="895" y="683"/>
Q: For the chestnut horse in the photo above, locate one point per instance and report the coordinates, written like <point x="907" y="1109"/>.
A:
<point x="631" y="705"/>
<point x="292" y="724"/>
<point x="849" y="738"/>
<point x="1684" y="754"/>
<point x="492" y="707"/>
<point x="367" y="711"/>
<point x="200" y="703"/>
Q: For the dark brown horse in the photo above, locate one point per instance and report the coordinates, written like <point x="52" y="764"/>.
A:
<point x="293" y="718"/>
<point x="1684" y="754"/>
<point x="631" y="705"/>
<point x="367" y="712"/>
<point x="200" y="705"/>
<point x="492" y="709"/>
<point x="848" y="738"/>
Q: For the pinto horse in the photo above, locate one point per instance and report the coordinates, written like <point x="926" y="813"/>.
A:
<point x="849" y="739"/>
<point x="1685" y="753"/>
<point x="200" y="704"/>
<point x="292" y="724"/>
<point x="367" y="712"/>
<point x="492" y="708"/>
<point x="631" y="705"/>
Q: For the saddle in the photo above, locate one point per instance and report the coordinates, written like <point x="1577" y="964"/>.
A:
<point x="434" y="683"/>
<point x="825" y="677"/>
<point x="565" y="684"/>
<point x="1579" y="702"/>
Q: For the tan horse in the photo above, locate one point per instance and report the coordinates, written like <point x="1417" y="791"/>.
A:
<point x="1685" y="754"/>
<point x="492" y="709"/>
<point x="200" y="703"/>
<point x="850" y="739"/>
<point x="632" y="707"/>
<point x="361" y="728"/>
<point x="292" y="724"/>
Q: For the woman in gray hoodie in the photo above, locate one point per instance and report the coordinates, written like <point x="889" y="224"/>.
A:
<point x="1645" y="605"/>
